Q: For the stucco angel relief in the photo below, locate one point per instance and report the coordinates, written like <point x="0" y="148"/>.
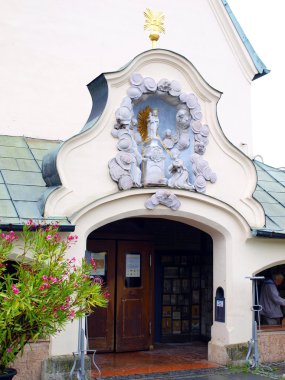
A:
<point x="161" y="138"/>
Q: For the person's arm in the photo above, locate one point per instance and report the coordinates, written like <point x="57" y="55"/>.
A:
<point x="274" y="295"/>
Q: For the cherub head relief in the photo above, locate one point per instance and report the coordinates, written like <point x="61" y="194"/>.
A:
<point x="183" y="118"/>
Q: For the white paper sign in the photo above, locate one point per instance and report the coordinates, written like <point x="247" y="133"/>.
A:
<point x="133" y="265"/>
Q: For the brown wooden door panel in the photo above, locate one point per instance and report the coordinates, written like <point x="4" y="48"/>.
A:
<point x="133" y="309"/>
<point x="101" y="322"/>
<point x="132" y="327"/>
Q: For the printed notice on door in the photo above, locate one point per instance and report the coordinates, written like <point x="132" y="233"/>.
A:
<point x="133" y="265"/>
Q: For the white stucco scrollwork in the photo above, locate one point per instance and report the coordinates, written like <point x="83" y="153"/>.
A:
<point x="165" y="198"/>
<point x="123" y="170"/>
<point x="202" y="172"/>
<point x="186" y="133"/>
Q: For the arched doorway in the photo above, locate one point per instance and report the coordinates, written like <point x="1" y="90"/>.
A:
<point x="160" y="275"/>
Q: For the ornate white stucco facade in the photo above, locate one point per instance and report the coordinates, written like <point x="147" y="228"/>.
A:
<point x="225" y="210"/>
<point x="204" y="59"/>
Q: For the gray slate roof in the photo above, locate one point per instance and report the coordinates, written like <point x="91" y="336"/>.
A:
<point x="21" y="181"/>
<point x="270" y="192"/>
<point x="22" y="184"/>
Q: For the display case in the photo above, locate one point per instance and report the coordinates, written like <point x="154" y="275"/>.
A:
<point x="181" y="292"/>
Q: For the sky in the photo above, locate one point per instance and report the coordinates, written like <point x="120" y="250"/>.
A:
<point x="264" y="25"/>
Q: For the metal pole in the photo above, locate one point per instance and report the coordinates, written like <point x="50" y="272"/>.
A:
<point x="79" y="354"/>
<point x="82" y="352"/>
<point x="252" y="356"/>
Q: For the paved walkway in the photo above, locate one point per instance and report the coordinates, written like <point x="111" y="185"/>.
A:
<point x="176" y="362"/>
<point x="276" y="372"/>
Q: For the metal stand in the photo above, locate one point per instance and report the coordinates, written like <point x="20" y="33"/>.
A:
<point x="79" y="356"/>
<point x="252" y="356"/>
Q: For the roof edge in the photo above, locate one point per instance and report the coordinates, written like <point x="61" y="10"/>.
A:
<point x="259" y="65"/>
<point x="268" y="234"/>
<point x="19" y="227"/>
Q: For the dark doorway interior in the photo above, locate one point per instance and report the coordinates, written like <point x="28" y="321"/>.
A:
<point x="181" y="281"/>
<point x="268" y="273"/>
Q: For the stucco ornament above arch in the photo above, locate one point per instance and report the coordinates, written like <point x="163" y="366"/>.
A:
<point x="165" y="198"/>
<point x="90" y="165"/>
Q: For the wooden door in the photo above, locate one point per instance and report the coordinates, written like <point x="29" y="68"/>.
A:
<point x="133" y="309"/>
<point x="126" y="324"/>
<point x="101" y="322"/>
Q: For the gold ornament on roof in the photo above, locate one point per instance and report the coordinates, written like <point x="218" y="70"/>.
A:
<point x="154" y="23"/>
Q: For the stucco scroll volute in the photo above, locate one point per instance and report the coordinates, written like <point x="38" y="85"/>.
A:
<point x="165" y="198"/>
<point x="161" y="139"/>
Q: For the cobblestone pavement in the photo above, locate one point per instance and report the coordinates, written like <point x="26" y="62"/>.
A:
<point x="274" y="371"/>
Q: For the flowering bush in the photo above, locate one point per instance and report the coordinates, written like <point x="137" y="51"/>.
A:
<point x="44" y="290"/>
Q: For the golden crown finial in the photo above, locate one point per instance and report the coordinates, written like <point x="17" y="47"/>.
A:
<point x="154" y="23"/>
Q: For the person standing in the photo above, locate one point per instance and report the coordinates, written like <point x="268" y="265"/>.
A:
<point x="271" y="301"/>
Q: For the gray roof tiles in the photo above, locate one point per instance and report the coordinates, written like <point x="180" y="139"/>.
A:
<point x="21" y="181"/>
<point x="270" y="192"/>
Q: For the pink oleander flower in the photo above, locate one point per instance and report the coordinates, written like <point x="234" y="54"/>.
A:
<point x="71" y="314"/>
<point x="56" y="238"/>
<point x="53" y="284"/>
<point x="98" y="280"/>
<point x="53" y="279"/>
<point x="72" y="237"/>
<point x="106" y="294"/>
<point x="93" y="263"/>
<point x="15" y="289"/>
<point x="9" y="237"/>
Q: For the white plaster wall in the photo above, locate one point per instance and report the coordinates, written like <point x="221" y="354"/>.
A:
<point x="241" y="259"/>
<point x="264" y="253"/>
<point x="50" y="50"/>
